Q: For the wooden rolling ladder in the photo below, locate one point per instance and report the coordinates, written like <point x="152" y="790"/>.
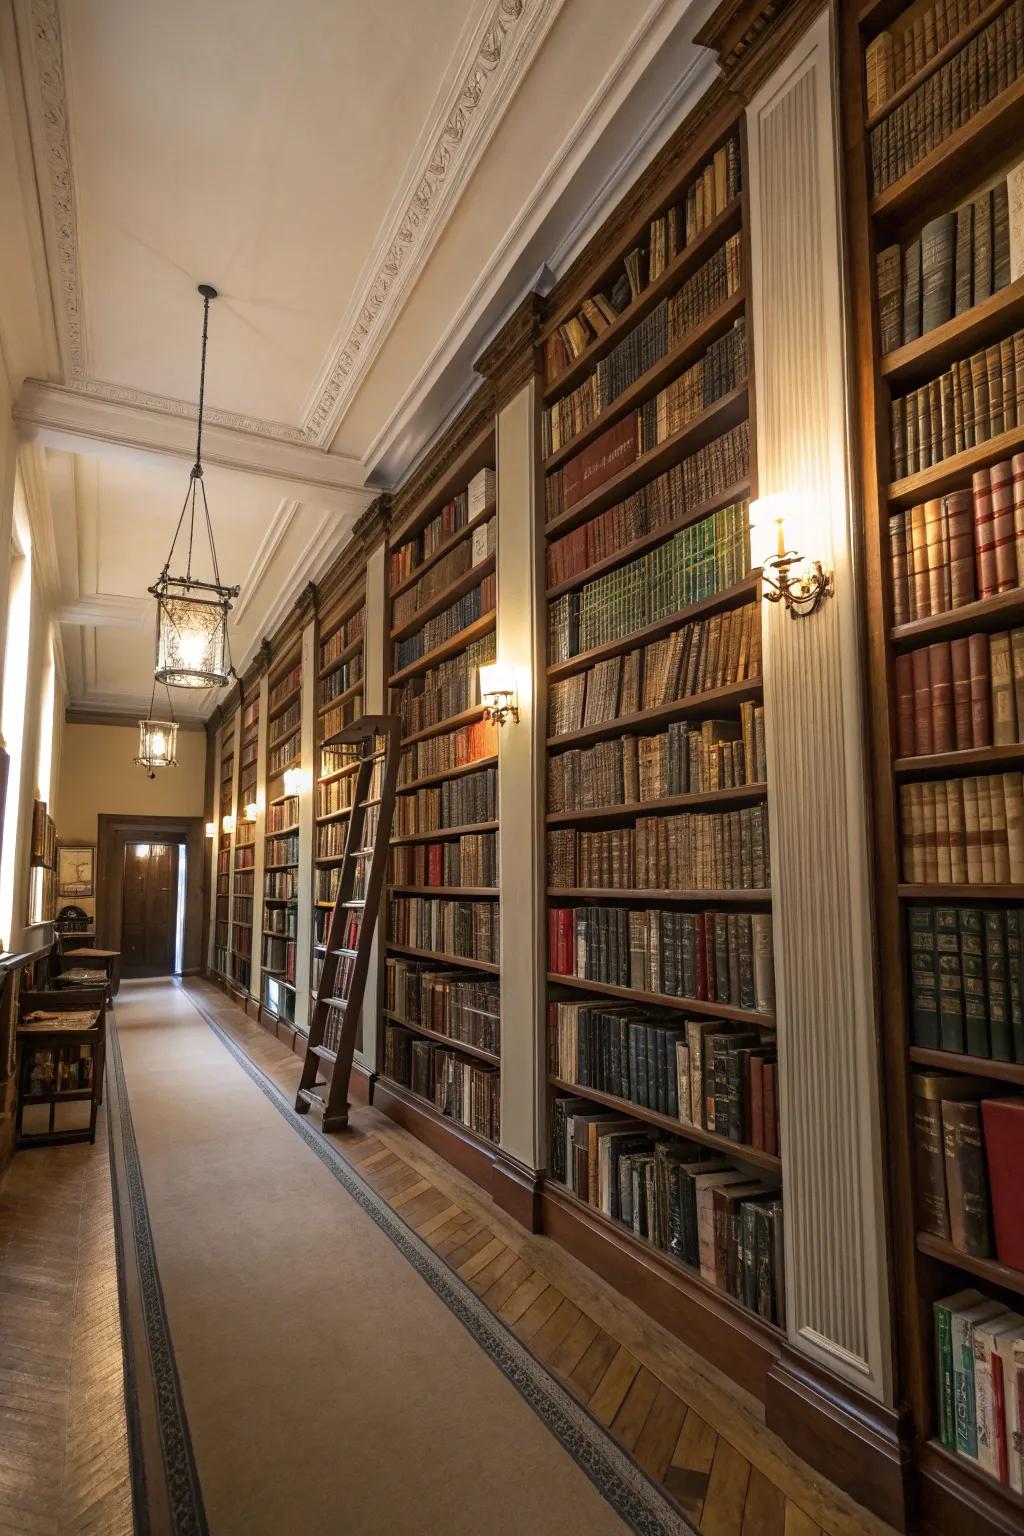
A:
<point x="348" y="935"/>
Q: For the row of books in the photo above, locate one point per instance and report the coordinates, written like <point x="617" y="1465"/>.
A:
<point x="697" y="1207"/>
<point x="957" y="831"/>
<point x="241" y="971"/>
<point x="335" y="719"/>
<point x="700" y="561"/>
<point x="959" y="259"/>
<point x="241" y="909"/>
<point x="467" y="1091"/>
<point x="657" y="504"/>
<point x="447" y="689"/>
<point x="966" y="981"/>
<point x="896" y="55"/>
<point x="969" y="1150"/>
<point x="283" y="850"/>
<point x="466" y="928"/>
<point x="705" y="198"/>
<point x="975" y="399"/>
<point x="283" y="725"/>
<point x="279" y="957"/>
<point x="340" y="680"/>
<point x="687" y="759"/>
<point x="959" y="694"/>
<point x="326" y="882"/>
<point x="956" y="92"/>
<point x="282" y="815"/>
<point x="464" y="557"/>
<point x="466" y="1008"/>
<point x="57" y="1069"/>
<point x="335" y="795"/>
<point x="453" y="749"/>
<point x="283" y="920"/>
<point x="702" y="1072"/>
<point x="285" y="685"/>
<point x="251" y="717"/>
<point x="283" y="756"/>
<point x="280" y="885"/>
<point x="695" y="659"/>
<point x="451" y="621"/>
<point x="956" y="549"/>
<point x="460" y="802"/>
<point x="241" y="942"/>
<point x="463" y="509"/>
<point x="345" y="635"/>
<point x="331" y="838"/>
<point x="722" y="850"/>
<point x="718" y="957"/>
<point x="468" y="860"/>
<point x="657" y="334"/>
<point x="979" y="1346"/>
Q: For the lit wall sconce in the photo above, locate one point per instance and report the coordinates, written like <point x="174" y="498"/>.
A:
<point x="251" y="811"/>
<point x="498" y="693"/>
<point x="227" y="824"/>
<point x="779" y="533"/>
<point x="294" y="781"/>
<point x="211" y="829"/>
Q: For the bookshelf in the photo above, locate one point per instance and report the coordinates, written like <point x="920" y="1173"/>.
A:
<point x="339" y="700"/>
<point x="281" y="838"/>
<point x="933" y="289"/>
<point x="440" y="1045"/>
<point x="243" y="894"/>
<point x="222" y="955"/>
<point x="661" y="1069"/>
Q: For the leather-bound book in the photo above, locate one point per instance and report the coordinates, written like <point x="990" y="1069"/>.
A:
<point x="1004" y="708"/>
<point x="1003" y="1121"/>
<point x="940" y="676"/>
<point x="959" y="512"/>
<point x="923" y="743"/>
<point x="964" y="257"/>
<point x="972" y="830"/>
<point x="890" y="298"/>
<point x="1013" y="799"/>
<point x="917" y="564"/>
<point x="1017" y="481"/>
<point x="966" y="1183"/>
<point x="904" y="675"/>
<point x="960" y="667"/>
<point x="984" y="534"/>
<point x="601" y="459"/>
<point x="929" y="1090"/>
<point x="981" y="702"/>
<point x="1003" y="531"/>
<point x="939" y="600"/>
<point x="898" y="550"/>
<point x="956" y="830"/>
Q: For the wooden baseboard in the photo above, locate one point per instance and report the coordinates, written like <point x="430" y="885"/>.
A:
<point x="738" y="1342"/>
<point x="855" y="1441"/>
<point x="516" y="1189"/>
<point x="456" y="1145"/>
<point x="957" y="1497"/>
<point x="360" y="1084"/>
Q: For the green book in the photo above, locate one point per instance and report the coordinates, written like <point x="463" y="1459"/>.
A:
<point x="973" y="978"/>
<point x="997" y="980"/>
<point x="951" y="1002"/>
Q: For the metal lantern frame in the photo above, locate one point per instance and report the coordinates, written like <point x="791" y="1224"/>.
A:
<point x="147" y="757"/>
<point x="186" y="606"/>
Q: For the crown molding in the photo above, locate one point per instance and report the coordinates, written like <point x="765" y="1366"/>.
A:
<point x="512" y="358"/>
<point x="750" y="37"/>
<point x="80" y="714"/>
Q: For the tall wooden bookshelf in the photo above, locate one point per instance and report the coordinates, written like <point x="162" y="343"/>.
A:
<point x="225" y="803"/>
<point x="939" y="876"/>
<point x="439" y="1046"/>
<point x="244" y="888"/>
<point x="661" y="1005"/>
<point x="281" y="839"/>
<point x="339" y="700"/>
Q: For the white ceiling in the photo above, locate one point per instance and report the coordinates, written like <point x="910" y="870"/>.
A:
<point x="370" y="188"/>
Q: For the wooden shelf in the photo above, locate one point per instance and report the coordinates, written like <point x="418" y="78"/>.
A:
<point x="660" y="535"/>
<point x="433" y="1034"/>
<point x="732" y="597"/>
<point x="987" y="1269"/>
<point x="452" y="891"/>
<point x="275" y="773"/>
<point x="475" y="631"/>
<point x="340" y="698"/>
<point x="957" y="164"/>
<point x="424" y="1106"/>
<point x="685" y="352"/>
<point x="737" y="1149"/>
<point x="729" y="697"/>
<point x="987" y="759"/>
<point x="714" y="1010"/>
<point x="282" y="704"/>
<point x="932" y="353"/>
<point x="745" y="794"/>
<point x="443" y="958"/>
<point x="451" y="593"/>
<point x="346" y="810"/>
<point x="682" y="265"/>
<point x="450" y="723"/>
<point x="447" y="773"/>
<point x="1003" y="611"/>
<point x="727" y="412"/>
<point x="940" y="892"/>
<point x="955" y="472"/>
<point x="440" y="552"/>
<point x="939" y="1462"/>
<point x="444" y="834"/>
<point x="935" y="63"/>
<point x="281" y="831"/>
<point x="976" y="1066"/>
<point x="589" y="894"/>
<point x="478" y="454"/>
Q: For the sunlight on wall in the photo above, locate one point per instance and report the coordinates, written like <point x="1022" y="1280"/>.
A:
<point x="12" y="720"/>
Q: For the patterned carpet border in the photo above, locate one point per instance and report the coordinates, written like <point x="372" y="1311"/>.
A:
<point x="185" y="1497"/>
<point x="620" y="1480"/>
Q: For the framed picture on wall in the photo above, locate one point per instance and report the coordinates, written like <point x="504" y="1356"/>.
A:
<point x="76" y="869"/>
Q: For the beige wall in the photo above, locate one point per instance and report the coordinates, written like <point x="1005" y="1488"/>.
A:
<point x="96" y="775"/>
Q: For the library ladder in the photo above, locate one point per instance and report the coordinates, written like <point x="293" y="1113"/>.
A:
<point x="348" y="934"/>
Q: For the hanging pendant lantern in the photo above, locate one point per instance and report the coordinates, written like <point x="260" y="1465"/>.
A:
<point x="192" y="649"/>
<point x="158" y="739"/>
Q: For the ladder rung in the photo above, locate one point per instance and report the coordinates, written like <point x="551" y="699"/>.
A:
<point x="344" y="951"/>
<point x="365" y="804"/>
<point x="362" y="853"/>
<point x="357" y="901"/>
<point x="324" y="1053"/>
<point x="334" y="1002"/>
<point x="312" y="1097"/>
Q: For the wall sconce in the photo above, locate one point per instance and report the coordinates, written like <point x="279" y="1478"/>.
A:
<point x="498" y="693"/>
<point x="227" y="824"/>
<point x="251" y="811"/>
<point x="294" y="781"/>
<point x="211" y="829"/>
<point x="778" y="529"/>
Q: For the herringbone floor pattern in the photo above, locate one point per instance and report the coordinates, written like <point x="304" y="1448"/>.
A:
<point x="63" y="1439"/>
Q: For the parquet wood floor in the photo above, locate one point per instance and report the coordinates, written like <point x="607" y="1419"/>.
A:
<point x="687" y="1425"/>
<point x="63" y="1437"/>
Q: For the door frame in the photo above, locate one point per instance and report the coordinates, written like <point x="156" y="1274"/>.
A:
<point x="167" y="934"/>
<point x="115" y="833"/>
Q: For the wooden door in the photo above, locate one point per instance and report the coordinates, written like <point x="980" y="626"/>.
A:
<point x="150" y="909"/>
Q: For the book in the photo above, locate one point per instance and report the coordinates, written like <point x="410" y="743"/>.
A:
<point x="1003" y="1120"/>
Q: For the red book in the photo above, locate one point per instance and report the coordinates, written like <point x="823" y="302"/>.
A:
<point x="940" y="675"/>
<point x="1001" y="481"/>
<point x="960" y="533"/>
<point x="553" y="956"/>
<point x="757" y="1065"/>
<point x="922" y="701"/>
<point x="984" y="534"/>
<point x="905" y="705"/>
<point x="601" y="459"/>
<point x="771" y="1109"/>
<point x="981" y="694"/>
<point x="960" y="661"/>
<point x="1003" y="1121"/>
